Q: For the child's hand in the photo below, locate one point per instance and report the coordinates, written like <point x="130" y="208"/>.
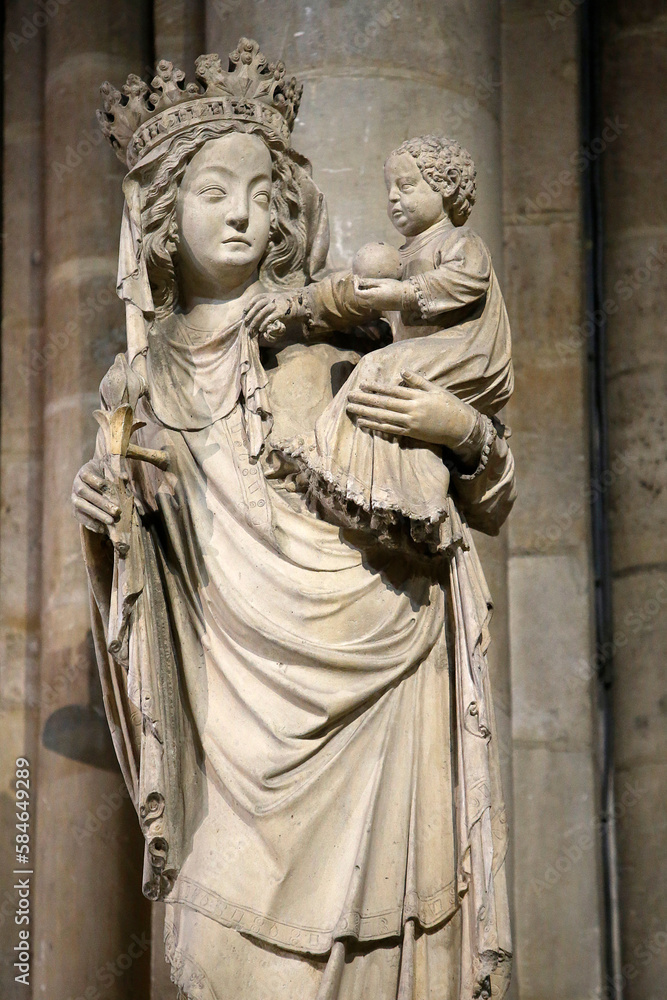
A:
<point x="380" y="294"/>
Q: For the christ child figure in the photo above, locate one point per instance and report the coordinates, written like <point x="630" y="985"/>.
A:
<point x="440" y="295"/>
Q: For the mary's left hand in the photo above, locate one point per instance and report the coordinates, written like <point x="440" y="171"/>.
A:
<point x="417" y="409"/>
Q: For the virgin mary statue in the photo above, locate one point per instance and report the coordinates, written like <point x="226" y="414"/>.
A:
<point x="305" y="727"/>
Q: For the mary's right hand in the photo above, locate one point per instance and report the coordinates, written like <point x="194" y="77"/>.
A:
<point x="94" y="499"/>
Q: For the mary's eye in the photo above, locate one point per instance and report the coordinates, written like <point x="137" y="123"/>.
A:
<point x="213" y="191"/>
<point x="262" y="198"/>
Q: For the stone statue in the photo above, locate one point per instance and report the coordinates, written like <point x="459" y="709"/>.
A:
<point x="297" y="690"/>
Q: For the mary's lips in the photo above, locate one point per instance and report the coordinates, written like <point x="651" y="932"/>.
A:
<point x="237" y="239"/>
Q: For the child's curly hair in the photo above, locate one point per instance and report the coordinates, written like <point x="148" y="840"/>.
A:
<point x="435" y="155"/>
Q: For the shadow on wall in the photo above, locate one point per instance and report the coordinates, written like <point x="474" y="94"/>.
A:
<point x="80" y="732"/>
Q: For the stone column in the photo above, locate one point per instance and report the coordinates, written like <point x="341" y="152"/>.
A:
<point x="90" y="917"/>
<point x="21" y="423"/>
<point x="558" y="926"/>
<point x="178" y="27"/>
<point x="635" y="210"/>
<point x="375" y="74"/>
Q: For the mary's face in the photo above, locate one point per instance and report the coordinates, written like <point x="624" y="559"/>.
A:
<point x="223" y="213"/>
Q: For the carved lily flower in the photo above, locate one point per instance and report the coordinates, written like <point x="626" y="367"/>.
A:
<point x="117" y="426"/>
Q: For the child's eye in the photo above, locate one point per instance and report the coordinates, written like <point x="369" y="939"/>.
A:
<point x="407" y="187"/>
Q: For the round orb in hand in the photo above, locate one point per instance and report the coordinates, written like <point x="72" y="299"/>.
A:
<point x="377" y="260"/>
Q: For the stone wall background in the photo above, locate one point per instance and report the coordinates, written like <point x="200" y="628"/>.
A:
<point x="504" y="78"/>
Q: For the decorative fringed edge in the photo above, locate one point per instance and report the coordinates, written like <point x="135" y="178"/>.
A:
<point x="188" y="977"/>
<point x="487" y="428"/>
<point x="420" y="297"/>
<point x="389" y="526"/>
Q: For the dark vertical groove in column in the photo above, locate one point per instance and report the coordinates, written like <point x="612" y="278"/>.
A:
<point x="593" y="221"/>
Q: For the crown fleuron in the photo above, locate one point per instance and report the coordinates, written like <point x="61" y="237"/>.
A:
<point x="139" y="117"/>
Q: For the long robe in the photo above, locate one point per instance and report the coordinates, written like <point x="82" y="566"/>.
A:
<point x="310" y="745"/>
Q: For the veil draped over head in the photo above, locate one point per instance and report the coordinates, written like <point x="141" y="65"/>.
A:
<point x="133" y="285"/>
<point x="240" y="372"/>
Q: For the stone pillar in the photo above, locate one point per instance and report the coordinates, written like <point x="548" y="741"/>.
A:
<point x="635" y="211"/>
<point x="178" y="27"/>
<point x="20" y="454"/>
<point x="375" y="74"/>
<point x="90" y="916"/>
<point x="558" y="926"/>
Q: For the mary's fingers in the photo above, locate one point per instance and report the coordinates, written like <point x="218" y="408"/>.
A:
<point x="416" y="381"/>
<point x="381" y="401"/>
<point x="97" y="500"/>
<point x="272" y="330"/>
<point x="388" y="416"/>
<point x="264" y="315"/>
<point x="258" y="299"/>
<point x="255" y="303"/>
<point x="382" y="427"/>
<point x="91" y="511"/>
<point x="92" y="479"/>
<point x="397" y="391"/>
<point x="255" y="307"/>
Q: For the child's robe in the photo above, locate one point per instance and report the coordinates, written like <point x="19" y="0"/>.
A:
<point x="453" y="329"/>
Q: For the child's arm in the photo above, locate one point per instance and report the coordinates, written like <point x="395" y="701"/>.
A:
<point x="335" y="304"/>
<point x="460" y="279"/>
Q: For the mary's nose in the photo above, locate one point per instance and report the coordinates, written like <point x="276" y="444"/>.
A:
<point x="237" y="213"/>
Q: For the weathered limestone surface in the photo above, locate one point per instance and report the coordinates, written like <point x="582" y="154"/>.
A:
<point x="87" y="899"/>
<point x="636" y="259"/>
<point x="556" y="839"/>
<point x="409" y="69"/>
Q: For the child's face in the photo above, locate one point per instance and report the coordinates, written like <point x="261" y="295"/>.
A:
<point x="413" y="204"/>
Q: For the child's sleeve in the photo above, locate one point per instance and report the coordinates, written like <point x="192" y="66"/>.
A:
<point x="486" y="492"/>
<point x="332" y="304"/>
<point x="460" y="278"/>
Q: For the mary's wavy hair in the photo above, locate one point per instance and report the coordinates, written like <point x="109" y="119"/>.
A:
<point x="282" y="265"/>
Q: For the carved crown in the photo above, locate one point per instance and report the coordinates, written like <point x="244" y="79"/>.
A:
<point x="138" y="117"/>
